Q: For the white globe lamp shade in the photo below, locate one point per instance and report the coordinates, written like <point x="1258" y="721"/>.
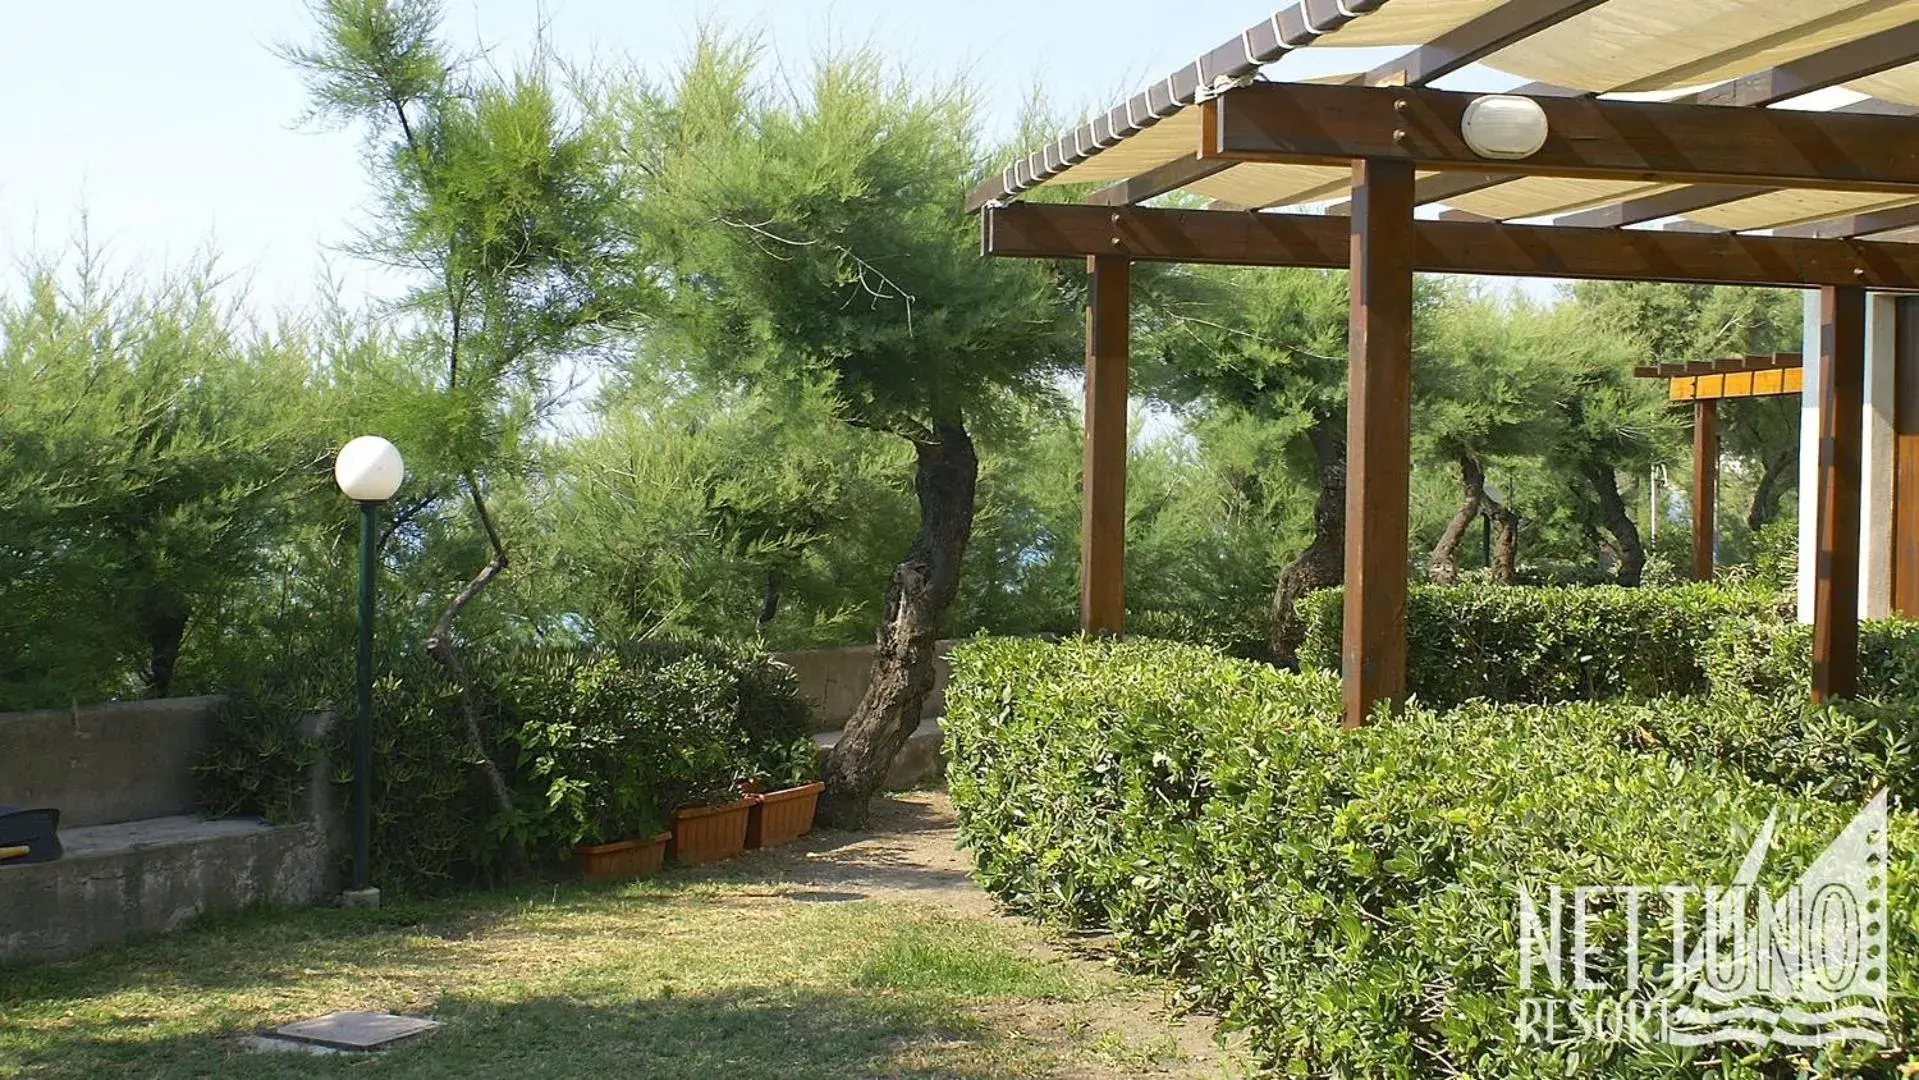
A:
<point x="369" y="469"/>
<point x="1504" y="126"/>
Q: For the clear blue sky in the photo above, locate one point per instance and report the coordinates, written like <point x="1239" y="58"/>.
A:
<point x="175" y="127"/>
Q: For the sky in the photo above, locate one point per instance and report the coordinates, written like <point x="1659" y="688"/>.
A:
<point x="175" y="130"/>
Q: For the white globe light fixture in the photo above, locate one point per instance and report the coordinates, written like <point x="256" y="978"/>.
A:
<point x="369" y="469"/>
<point x="1504" y="126"/>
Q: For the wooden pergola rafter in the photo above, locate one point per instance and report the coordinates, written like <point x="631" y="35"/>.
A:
<point x="1820" y="180"/>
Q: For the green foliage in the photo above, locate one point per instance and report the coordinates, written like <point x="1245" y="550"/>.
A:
<point x="259" y="762"/>
<point x="599" y="743"/>
<point x="1348" y="898"/>
<point x="1773" y="657"/>
<point x="1544" y="644"/>
<point x="719" y="514"/>
<point x="815" y="233"/>
<point x="153" y="454"/>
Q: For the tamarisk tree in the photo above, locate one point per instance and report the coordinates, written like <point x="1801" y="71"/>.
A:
<point x="493" y="195"/>
<point x="814" y="237"/>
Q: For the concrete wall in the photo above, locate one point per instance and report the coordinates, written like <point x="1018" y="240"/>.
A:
<point x="834" y="680"/>
<point x="151" y="877"/>
<point x="101" y="764"/>
<point x="138" y="859"/>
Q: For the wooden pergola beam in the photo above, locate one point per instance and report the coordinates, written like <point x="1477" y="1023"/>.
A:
<point x="1842" y="382"/>
<point x="1905" y="458"/>
<point x="1841" y="63"/>
<point x="1378" y="438"/>
<point x="1775" y="382"/>
<point x="1471" y="41"/>
<point x="1868" y="224"/>
<point x="1102" y="544"/>
<point x="1705" y="485"/>
<point x="1305" y="123"/>
<point x="1755" y="362"/>
<point x="1055" y="231"/>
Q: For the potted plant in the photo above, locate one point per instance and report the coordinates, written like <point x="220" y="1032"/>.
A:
<point x="784" y="806"/>
<point x="582" y="751"/>
<point x="622" y="859"/>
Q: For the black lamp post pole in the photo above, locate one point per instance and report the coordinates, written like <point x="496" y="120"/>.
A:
<point x="363" y="722"/>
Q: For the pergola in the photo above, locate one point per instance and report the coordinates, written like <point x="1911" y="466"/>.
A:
<point x="1673" y="114"/>
<point x="1706" y="383"/>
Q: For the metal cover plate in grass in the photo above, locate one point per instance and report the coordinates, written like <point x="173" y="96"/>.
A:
<point x="356" y="1030"/>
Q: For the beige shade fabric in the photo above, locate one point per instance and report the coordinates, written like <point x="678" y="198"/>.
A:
<point x="1901" y="84"/>
<point x="1406" y="22"/>
<point x="1174" y="137"/>
<point x="1781" y="208"/>
<point x="1252" y="185"/>
<point x="1536" y="196"/>
<point x="1654" y="44"/>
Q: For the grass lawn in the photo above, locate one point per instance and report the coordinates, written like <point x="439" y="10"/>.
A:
<point x="742" y="971"/>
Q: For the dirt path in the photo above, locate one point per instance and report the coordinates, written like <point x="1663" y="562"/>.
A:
<point x="911" y="855"/>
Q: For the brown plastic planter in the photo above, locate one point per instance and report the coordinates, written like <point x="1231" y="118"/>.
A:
<point x="625" y="859"/>
<point x="704" y="833"/>
<point x="782" y="816"/>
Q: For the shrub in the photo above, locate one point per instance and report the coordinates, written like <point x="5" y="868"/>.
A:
<point x="1842" y="753"/>
<point x="597" y="743"/>
<point x="1537" y="645"/>
<point x="1349" y="898"/>
<point x="1770" y="656"/>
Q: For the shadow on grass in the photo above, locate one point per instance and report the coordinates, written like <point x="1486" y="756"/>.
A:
<point x="744" y="1032"/>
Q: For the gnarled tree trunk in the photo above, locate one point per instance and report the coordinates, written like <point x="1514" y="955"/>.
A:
<point x="1505" y="559"/>
<point x="1771" y="488"/>
<point x="1612" y="514"/>
<point x="923" y="587"/>
<point x="1442" y="568"/>
<point x="1323" y="563"/>
<point x="439" y="646"/>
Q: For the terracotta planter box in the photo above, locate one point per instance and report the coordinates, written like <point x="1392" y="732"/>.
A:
<point x="703" y="834"/>
<point x="782" y="816"/>
<point x="625" y="859"/>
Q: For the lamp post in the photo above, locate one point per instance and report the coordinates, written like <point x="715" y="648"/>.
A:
<point x="368" y="471"/>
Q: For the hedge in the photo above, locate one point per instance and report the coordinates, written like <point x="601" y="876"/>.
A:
<point x="1348" y="898"/>
<point x="1772" y="656"/>
<point x="1544" y="644"/>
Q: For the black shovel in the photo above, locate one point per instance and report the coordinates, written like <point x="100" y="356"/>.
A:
<point x="28" y="836"/>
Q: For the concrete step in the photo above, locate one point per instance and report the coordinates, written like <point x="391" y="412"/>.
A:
<point x="919" y="763"/>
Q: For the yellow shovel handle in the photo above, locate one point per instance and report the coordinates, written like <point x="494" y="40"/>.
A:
<point x="14" y="852"/>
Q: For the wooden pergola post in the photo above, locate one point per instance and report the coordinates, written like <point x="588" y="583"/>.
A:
<point x="1378" y="437"/>
<point x="1905" y="458"/>
<point x="1102" y="546"/>
<point x="1705" y="485"/>
<point x="1842" y="380"/>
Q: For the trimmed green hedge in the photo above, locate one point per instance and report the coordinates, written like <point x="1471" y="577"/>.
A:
<point x="1349" y="898"/>
<point x="1544" y="644"/>
<point x="1770" y="656"/>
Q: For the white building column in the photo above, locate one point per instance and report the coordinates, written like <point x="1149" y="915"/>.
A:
<point x="1876" y="463"/>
